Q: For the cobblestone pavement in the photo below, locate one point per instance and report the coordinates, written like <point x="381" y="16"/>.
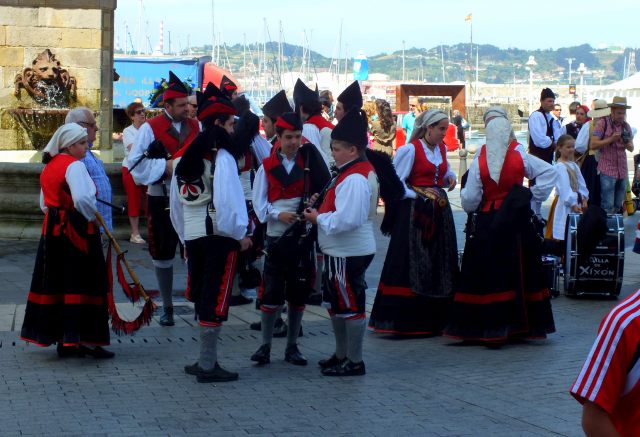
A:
<point x="421" y="386"/>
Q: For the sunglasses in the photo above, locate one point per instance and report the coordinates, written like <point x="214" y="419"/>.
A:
<point x="139" y="112"/>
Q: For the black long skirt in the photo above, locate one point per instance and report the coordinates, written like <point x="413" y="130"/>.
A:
<point x="420" y="306"/>
<point x="67" y="301"/>
<point x="589" y="170"/>
<point x="502" y="294"/>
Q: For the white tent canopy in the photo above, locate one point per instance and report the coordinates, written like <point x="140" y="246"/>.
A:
<point x="629" y="88"/>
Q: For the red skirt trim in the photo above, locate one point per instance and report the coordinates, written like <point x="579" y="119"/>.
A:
<point x="67" y="299"/>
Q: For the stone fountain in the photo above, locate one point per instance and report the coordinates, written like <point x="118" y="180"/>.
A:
<point x="51" y="89"/>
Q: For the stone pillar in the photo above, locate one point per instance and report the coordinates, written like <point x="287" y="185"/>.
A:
<point x="80" y="34"/>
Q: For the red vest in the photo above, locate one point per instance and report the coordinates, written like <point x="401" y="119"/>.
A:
<point x="512" y="173"/>
<point x="57" y="196"/>
<point x="319" y="122"/>
<point x="160" y="126"/>
<point x="424" y="173"/>
<point x="329" y="202"/>
<point x="283" y="185"/>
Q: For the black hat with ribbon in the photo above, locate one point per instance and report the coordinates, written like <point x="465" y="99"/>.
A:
<point x="175" y="88"/>
<point x="277" y="105"/>
<point x="289" y="121"/>
<point x="351" y="97"/>
<point x="303" y="94"/>
<point x="228" y="87"/>
<point x="213" y="102"/>
<point x="352" y="129"/>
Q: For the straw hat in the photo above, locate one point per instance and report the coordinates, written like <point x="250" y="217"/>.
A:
<point x="619" y="102"/>
<point x="600" y="109"/>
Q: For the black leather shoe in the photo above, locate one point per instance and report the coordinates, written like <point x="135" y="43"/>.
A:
<point x="348" y="368"/>
<point x="280" y="328"/>
<point x="192" y="369"/>
<point x="331" y="361"/>
<point x="262" y="355"/>
<point x="239" y="300"/>
<point x="67" y="351"/>
<point x="97" y="352"/>
<point x="256" y="326"/>
<point x="292" y="355"/>
<point x="217" y="374"/>
<point x="167" y="317"/>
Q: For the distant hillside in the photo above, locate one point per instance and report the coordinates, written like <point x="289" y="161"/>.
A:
<point x="496" y="65"/>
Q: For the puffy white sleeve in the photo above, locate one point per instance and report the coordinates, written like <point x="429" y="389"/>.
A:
<point x="83" y="190"/>
<point x="538" y="130"/>
<point x="543" y="172"/>
<point x="582" y="185"/>
<point x="263" y="208"/>
<point x="353" y="200"/>
<point x="471" y="194"/>
<point x="449" y="173"/>
<point x="582" y="140"/>
<point x="403" y="162"/>
<point x="148" y="171"/>
<point x="176" y="208"/>
<point x="261" y="148"/>
<point x="312" y="134"/>
<point x="563" y="187"/>
<point x="43" y="207"/>
<point x="228" y="198"/>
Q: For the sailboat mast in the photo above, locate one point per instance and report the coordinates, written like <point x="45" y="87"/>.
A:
<point x="213" y="33"/>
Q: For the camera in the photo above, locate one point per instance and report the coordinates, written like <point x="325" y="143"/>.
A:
<point x="625" y="136"/>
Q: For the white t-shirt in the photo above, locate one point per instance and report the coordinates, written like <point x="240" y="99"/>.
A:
<point x="129" y="135"/>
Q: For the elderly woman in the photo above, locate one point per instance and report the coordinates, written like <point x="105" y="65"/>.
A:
<point x="421" y="265"/>
<point x="67" y="302"/>
<point x="501" y="294"/>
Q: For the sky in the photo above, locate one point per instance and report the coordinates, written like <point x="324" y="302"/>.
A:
<point x="375" y="26"/>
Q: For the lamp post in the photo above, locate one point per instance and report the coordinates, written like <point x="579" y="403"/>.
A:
<point x="570" y="61"/>
<point x="581" y="70"/>
<point x="530" y="64"/>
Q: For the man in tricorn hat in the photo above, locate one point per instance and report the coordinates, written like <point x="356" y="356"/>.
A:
<point x="281" y="188"/>
<point x="350" y="98"/>
<point x="316" y="129"/>
<point x="345" y="235"/>
<point x="544" y="131"/>
<point x="158" y="140"/>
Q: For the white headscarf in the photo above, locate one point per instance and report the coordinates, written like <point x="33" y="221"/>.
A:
<point x="66" y="135"/>
<point x="494" y="111"/>
<point x="427" y="118"/>
<point x="498" y="139"/>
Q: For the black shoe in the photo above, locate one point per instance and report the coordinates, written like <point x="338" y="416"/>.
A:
<point x="67" y="351"/>
<point x="217" y="374"/>
<point x="256" y="326"/>
<point x="97" y="352"/>
<point x="167" y="317"/>
<point x="314" y="298"/>
<point x="331" y="361"/>
<point x="192" y="369"/>
<point x="262" y="355"/>
<point x="292" y="355"/>
<point x="239" y="300"/>
<point x="280" y="328"/>
<point x="348" y="368"/>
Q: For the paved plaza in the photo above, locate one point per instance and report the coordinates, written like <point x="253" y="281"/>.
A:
<point x="421" y="386"/>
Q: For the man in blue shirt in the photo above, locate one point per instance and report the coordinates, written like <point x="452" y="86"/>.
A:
<point x="410" y="118"/>
<point x="84" y="117"/>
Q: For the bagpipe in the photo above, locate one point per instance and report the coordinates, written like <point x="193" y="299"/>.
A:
<point x="156" y="150"/>
<point x="430" y="194"/>
<point x="300" y="236"/>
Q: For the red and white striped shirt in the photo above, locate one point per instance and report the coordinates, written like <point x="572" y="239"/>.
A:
<point x="610" y="377"/>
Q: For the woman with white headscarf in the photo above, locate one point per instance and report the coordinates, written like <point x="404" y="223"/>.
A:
<point x="502" y="294"/>
<point x="421" y="266"/>
<point x="67" y="301"/>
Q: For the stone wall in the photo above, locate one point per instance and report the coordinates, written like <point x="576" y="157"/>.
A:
<point x="80" y="34"/>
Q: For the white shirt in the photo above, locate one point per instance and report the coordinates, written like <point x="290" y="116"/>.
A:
<point x="230" y="216"/>
<point x="348" y="231"/>
<point x="582" y="140"/>
<point x="149" y="170"/>
<point x="83" y="190"/>
<point x="566" y="196"/>
<point x="320" y="139"/>
<point x="403" y="162"/>
<point x="538" y="128"/>
<point x="129" y="135"/>
<point x="544" y="174"/>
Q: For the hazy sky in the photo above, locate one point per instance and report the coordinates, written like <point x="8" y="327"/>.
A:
<point x="380" y="26"/>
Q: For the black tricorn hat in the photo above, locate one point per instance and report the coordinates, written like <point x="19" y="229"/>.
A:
<point x="289" y="121"/>
<point x="175" y="88"/>
<point x="547" y="93"/>
<point x="212" y="102"/>
<point x="351" y="97"/>
<point x="303" y="94"/>
<point x="277" y="105"/>
<point x="227" y="86"/>
<point x="352" y="129"/>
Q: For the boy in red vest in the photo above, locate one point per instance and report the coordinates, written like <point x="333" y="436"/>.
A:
<point x="278" y="193"/>
<point x="345" y="235"/>
<point x="167" y="132"/>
